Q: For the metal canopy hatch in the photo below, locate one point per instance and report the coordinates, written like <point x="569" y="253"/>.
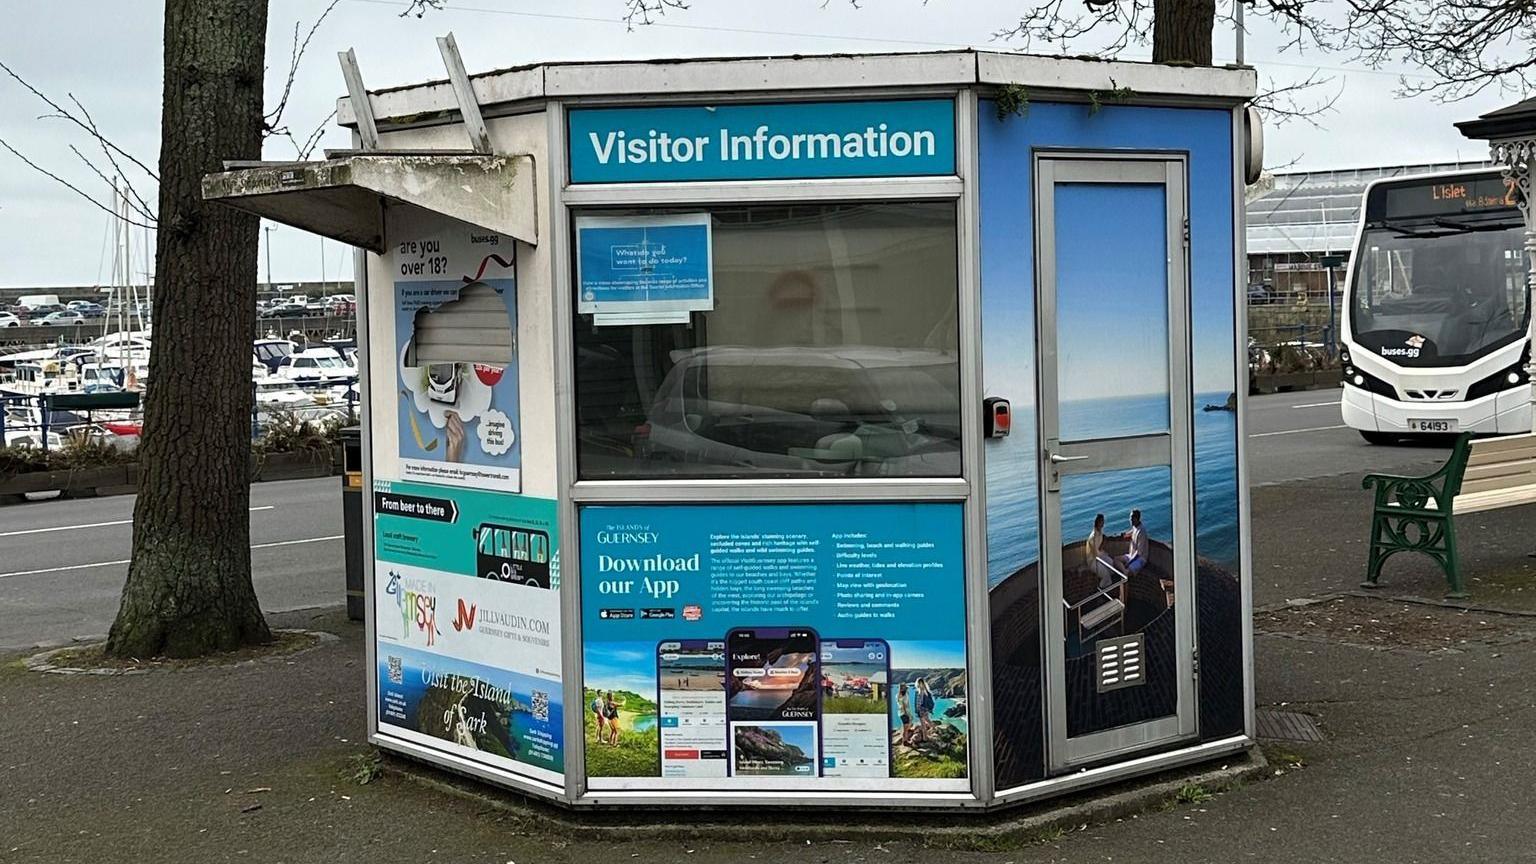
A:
<point x="343" y="197"/>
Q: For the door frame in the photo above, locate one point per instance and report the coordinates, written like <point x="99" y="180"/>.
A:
<point x="1174" y="448"/>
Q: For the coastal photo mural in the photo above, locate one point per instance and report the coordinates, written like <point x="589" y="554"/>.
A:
<point x="1135" y="505"/>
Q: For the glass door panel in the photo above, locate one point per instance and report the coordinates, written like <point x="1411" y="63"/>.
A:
<point x="1114" y="414"/>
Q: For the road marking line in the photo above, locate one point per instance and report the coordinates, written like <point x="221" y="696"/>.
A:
<point x="125" y="560"/>
<point x="97" y="524"/>
<point x="1295" y="431"/>
<point x="1316" y="405"/>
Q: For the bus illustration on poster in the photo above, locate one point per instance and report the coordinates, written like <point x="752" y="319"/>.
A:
<point x="458" y="415"/>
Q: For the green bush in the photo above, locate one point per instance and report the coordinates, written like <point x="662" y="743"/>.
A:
<point x="21" y="460"/>
<point x="287" y="433"/>
<point x="76" y="454"/>
<point x="80" y="453"/>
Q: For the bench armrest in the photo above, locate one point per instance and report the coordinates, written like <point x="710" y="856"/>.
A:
<point x="1415" y="492"/>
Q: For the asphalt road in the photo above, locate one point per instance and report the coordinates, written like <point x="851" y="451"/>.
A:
<point x="62" y="563"/>
<point x="1300" y="436"/>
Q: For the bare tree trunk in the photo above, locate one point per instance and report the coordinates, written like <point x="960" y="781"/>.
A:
<point x="1181" y="31"/>
<point x="189" y="585"/>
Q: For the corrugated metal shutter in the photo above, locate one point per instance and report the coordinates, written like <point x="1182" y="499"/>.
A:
<point x="471" y="329"/>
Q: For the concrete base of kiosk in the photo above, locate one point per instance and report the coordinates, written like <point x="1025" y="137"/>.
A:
<point x="804" y="431"/>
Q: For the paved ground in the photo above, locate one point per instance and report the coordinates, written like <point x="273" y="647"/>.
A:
<point x="62" y="563"/>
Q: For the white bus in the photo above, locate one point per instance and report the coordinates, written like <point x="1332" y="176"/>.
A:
<point x="1436" y="308"/>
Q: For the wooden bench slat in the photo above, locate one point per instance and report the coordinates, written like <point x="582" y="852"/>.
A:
<point x="1503" y="442"/>
<point x="1500" y="469"/>
<point x="1494" y="500"/>
<point x="1508" y="454"/>
<point x="1491" y="484"/>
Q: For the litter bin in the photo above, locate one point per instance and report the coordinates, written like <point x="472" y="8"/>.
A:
<point x="352" y="516"/>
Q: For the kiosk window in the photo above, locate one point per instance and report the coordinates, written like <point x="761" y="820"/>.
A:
<point x="830" y="351"/>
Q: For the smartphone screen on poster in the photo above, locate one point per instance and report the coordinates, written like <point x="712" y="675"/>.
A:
<point x="690" y="699"/>
<point x="773" y="702"/>
<point x="855" y="708"/>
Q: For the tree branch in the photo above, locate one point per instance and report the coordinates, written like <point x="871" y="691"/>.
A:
<point x="64" y="114"/>
<point x="640" y="12"/>
<point x="68" y="185"/>
<point x="296" y="55"/>
<point x="1293" y="101"/>
<point x="137" y="208"/>
<point x="143" y="206"/>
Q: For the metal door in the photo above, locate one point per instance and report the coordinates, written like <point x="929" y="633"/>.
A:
<point x="1115" y="428"/>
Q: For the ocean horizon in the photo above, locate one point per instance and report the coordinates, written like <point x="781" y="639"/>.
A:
<point x="1013" y="525"/>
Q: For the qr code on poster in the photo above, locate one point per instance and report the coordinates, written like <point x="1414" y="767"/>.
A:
<point x="396" y="671"/>
<point x="540" y="705"/>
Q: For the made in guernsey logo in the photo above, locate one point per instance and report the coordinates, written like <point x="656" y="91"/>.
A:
<point x="416" y="599"/>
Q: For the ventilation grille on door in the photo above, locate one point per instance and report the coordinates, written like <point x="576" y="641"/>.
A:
<point x="1121" y="662"/>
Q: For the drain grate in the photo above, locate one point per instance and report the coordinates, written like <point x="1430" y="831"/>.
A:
<point x="1288" y="726"/>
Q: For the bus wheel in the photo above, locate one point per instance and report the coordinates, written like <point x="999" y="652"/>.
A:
<point x="1381" y="438"/>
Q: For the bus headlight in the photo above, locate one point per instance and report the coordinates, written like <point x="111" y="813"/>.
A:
<point x="1359" y="380"/>
<point x="1514" y="377"/>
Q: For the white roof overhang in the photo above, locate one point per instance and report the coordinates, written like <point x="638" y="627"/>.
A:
<point x="343" y="197"/>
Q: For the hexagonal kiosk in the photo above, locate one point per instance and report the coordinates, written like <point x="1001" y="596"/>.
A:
<point x="849" y="431"/>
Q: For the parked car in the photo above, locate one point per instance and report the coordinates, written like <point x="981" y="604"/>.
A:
<point x="86" y="309"/>
<point x="59" y="319"/>
<point x="339" y="306"/>
<point x="285" y="309"/>
<point x="9" y="320"/>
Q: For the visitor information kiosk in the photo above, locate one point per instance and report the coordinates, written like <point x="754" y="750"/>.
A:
<point x="854" y="430"/>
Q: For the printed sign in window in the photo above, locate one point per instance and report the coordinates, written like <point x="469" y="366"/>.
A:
<point x="644" y="269"/>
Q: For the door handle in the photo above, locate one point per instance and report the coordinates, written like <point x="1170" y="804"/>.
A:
<point x="1058" y="458"/>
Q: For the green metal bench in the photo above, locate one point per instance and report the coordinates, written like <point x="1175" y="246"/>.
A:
<point x="1416" y="514"/>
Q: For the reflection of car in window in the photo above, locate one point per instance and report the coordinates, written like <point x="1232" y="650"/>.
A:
<point x="844" y="411"/>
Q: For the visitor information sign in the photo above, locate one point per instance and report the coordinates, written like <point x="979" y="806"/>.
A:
<point x="887" y="138"/>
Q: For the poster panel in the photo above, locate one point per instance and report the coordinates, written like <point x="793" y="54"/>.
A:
<point x="775" y="646"/>
<point x="458" y="422"/>
<point x="467" y="622"/>
<point x="635" y="269"/>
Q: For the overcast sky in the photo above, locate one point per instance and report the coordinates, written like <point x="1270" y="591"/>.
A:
<point x="108" y="55"/>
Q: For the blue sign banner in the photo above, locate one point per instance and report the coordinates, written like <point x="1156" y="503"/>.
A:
<point x="644" y="264"/>
<point x="911" y="137"/>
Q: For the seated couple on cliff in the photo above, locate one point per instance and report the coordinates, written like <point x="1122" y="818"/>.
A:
<point x="1133" y="560"/>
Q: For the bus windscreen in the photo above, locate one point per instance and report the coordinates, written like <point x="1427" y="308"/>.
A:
<point x="1439" y="271"/>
